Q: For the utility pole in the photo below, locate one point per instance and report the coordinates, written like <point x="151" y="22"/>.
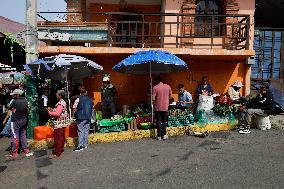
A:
<point x="31" y="56"/>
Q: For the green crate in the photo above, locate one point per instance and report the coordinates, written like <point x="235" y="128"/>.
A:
<point x="110" y="122"/>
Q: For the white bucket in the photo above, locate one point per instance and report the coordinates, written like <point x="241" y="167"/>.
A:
<point x="263" y="123"/>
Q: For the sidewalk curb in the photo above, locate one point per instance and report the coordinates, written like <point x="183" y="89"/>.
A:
<point x="132" y="135"/>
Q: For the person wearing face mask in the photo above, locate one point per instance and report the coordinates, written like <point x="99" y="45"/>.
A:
<point x="234" y="91"/>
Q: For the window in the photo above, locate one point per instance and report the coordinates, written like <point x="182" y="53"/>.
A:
<point x="208" y="25"/>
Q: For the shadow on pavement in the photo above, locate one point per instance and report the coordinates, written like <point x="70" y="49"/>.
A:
<point x="208" y="143"/>
<point x="186" y="156"/>
<point x="164" y="172"/>
<point x="44" y="162"/>
<point x="40" y="175"/>
<point x="2" y="168"/>
<point x="40" y="153"/>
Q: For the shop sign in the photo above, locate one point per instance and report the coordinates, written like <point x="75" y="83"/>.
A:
<point x="54" y="36"/>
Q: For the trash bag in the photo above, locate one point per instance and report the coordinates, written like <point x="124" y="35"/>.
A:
<point x="206" y="103"/>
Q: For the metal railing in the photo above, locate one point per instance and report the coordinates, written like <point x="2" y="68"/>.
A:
<point x="173" y="30"/>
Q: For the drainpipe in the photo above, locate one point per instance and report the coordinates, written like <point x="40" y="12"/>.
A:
<point x="31" y="55"/>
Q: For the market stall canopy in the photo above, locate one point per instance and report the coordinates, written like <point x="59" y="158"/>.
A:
<point x="151" y="61"/>
<point x="61" y="66"/>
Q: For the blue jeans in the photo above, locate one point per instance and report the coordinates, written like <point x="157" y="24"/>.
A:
<point x="19" y="132"/>
<point x="83" y="127"/>
<point x="7" y="129"/>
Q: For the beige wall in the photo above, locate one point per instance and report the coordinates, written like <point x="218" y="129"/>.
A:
<point x="171" y="6"/>
<point x="248" y="7"/>
<point x="174" y="6"/>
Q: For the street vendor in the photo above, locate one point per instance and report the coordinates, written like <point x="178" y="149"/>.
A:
<point x="204" y="88"/>
<point x="44" y="103"/>
<point x="109" y="95"/>
<point x="184" y="97"/>
<point x="234" y="91"/>
<point x="263" y="105"/>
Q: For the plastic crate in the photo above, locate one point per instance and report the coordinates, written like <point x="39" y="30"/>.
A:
<point x="185" y="120"/>
<point x="108" y="125"/>
<point x="110" y="122"/>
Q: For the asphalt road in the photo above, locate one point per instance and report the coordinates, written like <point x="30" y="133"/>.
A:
<point x="221" y="160"/>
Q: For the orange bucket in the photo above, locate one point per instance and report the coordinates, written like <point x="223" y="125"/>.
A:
<point x="43" y="132"/>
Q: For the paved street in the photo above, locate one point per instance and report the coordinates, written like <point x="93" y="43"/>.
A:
<point x="222" y="160"/>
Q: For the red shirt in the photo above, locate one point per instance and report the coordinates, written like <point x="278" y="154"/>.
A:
<point x="161" y="97"/>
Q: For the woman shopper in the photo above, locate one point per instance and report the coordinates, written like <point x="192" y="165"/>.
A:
<point x="61" y="117"/>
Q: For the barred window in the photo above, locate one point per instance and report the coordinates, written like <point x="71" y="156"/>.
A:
<point x="210" y="23"/>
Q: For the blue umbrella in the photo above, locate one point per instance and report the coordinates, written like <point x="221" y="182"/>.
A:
<point x="151" y="62"/>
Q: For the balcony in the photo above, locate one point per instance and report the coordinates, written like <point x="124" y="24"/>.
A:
<point x="131" y="30"/>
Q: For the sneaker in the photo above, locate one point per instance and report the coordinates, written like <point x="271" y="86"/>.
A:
<point x="165" y="137"/>
<point x="29" y="154"/>
<point x="86" y="147"/>
<point x="78" y="149"/>
<point x="159" y="138"/>
<point x="52" y="156"/>
<point x="245" y="131"/>
<point x="11" y="156"/>
<point x="240" y="128"/>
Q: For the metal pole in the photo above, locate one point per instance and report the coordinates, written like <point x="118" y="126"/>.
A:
<point x="151" y="88"/>
<point x="272" y="56"/>
<point x="31" y="55"/>
<point x="68" y="94"/>
<point x="31" y="31"/>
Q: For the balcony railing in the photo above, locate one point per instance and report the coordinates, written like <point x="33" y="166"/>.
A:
<point x="173" y="30"/>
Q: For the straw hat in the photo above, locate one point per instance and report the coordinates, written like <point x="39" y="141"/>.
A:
<point x="237" y="83"/>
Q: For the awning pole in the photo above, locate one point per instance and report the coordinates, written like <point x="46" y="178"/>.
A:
<point x="68" y="95"/>
<point x="151" y="88"/>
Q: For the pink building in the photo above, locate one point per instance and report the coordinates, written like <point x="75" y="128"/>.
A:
<point x="215" y="38"/>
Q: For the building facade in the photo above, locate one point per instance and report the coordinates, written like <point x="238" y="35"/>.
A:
<point x="215" y="38"/>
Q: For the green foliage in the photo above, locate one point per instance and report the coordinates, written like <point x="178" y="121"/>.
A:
<point x="10" y="40"/>
<point x="222" y="109"/>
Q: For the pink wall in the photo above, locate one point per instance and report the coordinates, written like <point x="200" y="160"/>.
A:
<point x="174" y="6"/>
<point x="248" y="7"/>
